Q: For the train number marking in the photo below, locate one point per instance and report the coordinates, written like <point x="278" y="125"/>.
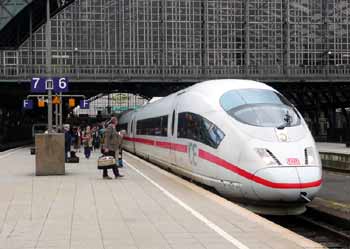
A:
<point x="193" y="153"/>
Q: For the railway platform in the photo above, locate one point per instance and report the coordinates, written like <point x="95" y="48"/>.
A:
<point x="334" y="196"/>
<point x="148" y="208"/>
<point x="339" y="148"/>
<point x="335" y="156"/>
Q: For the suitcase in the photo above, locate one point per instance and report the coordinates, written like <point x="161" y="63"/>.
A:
<point x="106" y="162"/>
<point x="73" y="159"/>
<point x="32" y="151"/>
<point x="120" y="163"/>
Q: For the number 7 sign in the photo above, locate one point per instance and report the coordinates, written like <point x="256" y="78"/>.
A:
<point x="37" y="85"/>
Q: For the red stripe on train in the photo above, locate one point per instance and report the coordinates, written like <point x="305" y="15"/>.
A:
<point x="218" y="161"/>
<point x="179" y="147"/>
<point x="161" y="144"/>
<point x="143" y="141"/>
<point x="221" y="162"/>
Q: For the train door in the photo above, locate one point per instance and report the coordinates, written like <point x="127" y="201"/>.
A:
<point x="172" y="135"/>
<point x="132" y="133"/>
<point x="184" y="144"/>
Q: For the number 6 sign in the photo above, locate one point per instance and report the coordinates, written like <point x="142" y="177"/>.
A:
<point x="60" y="84"/>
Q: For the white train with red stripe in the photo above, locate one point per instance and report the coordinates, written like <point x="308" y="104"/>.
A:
<point x="240" y="137"/>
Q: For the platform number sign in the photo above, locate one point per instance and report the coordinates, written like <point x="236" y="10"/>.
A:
<point x="84" y="104"/>
<point x="27" y="104"/>
<point x="38" y="84"/>
<point x="60" y="84"/>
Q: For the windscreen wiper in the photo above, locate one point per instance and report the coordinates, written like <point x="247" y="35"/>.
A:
<point x="288" y="121"/>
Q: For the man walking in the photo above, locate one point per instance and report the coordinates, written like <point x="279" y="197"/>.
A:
<point x="112" y="142"/>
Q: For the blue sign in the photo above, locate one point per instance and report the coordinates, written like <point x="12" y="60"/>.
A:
<point x="60" y="84"/>
<point x="37" y="85"/>
<point x="27" y="104"/>
<point x="84" y="104"/>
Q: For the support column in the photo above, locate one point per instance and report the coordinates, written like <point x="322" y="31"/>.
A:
<point x="31" y="41"/>
<point x="325" y="39"/>
<point x="163" y="48"/>
<point x="204" y="15"/>
<point x="246" y="38"/>
<point x="286" y="38"/>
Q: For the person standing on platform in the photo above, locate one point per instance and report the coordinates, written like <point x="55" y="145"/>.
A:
<point x="112" y="142"/>
<point x="87" y="142"/>
<point x="78" y="141"/>
<point x="67" y="141"/>
<point x="96" y="138"/>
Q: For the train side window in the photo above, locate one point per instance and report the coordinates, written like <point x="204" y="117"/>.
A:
<point x="173" y="123"/>
<point x="157" y="126"/>
<point x="195" y="127"/>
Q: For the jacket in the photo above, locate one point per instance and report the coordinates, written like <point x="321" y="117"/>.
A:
<point x="112" y="140"/>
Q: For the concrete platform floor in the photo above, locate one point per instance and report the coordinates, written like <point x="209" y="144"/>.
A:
<point x="334" y="196"/>
<point x="333" y="147"/>
<point x="147" y="209"/>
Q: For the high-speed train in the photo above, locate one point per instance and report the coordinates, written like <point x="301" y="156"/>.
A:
<point x="240" y="137"/>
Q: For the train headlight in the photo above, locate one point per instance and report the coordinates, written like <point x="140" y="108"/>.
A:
<point x="310" y="158"/>
<point x="267" y="157"/>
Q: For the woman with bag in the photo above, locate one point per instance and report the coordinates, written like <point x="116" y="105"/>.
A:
<point x="112" y="142"/>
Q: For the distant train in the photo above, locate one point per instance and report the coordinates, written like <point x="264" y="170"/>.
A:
<point x="240" y="137"/>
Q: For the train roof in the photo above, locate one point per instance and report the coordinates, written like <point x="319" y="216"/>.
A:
<point x="211" y="88"/>
<point x="224" y="85"/>
<point x="214" y="89"/>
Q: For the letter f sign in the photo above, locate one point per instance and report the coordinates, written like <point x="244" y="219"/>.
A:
<point x="84" y="104"/>
<point x="27" y="104"/>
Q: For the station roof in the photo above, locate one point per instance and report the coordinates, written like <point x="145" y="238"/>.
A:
<point x="15" y="19"/>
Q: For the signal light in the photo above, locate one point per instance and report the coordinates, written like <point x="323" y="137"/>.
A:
<point x="41" y="103"/>
<point x="71" y="102"/>
<point x="56" y="100"/>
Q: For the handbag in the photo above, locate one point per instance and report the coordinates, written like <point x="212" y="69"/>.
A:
<point x="106" y="162"/>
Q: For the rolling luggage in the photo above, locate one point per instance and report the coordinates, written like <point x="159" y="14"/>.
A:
<point x="106" y="162"/>
<point x="73" y="159"/>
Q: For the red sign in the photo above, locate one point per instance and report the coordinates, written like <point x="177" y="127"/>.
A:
<point x="293" y="161"/>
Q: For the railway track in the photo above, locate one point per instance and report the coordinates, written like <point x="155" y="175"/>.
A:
<point x="328" y="230"/>
<point x="13" y="145"/>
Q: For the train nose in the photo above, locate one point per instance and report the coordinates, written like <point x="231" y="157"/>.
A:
<point x="286" y="184"/>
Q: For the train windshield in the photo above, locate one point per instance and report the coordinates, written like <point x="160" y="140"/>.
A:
<point x="260" y="107"/>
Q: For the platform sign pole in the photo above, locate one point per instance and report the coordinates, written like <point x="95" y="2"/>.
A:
<point x="49" y="110"/>
<point x="48" y="65"/>
<point x="60" y="111"/>
<point x="56" y="117"/>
